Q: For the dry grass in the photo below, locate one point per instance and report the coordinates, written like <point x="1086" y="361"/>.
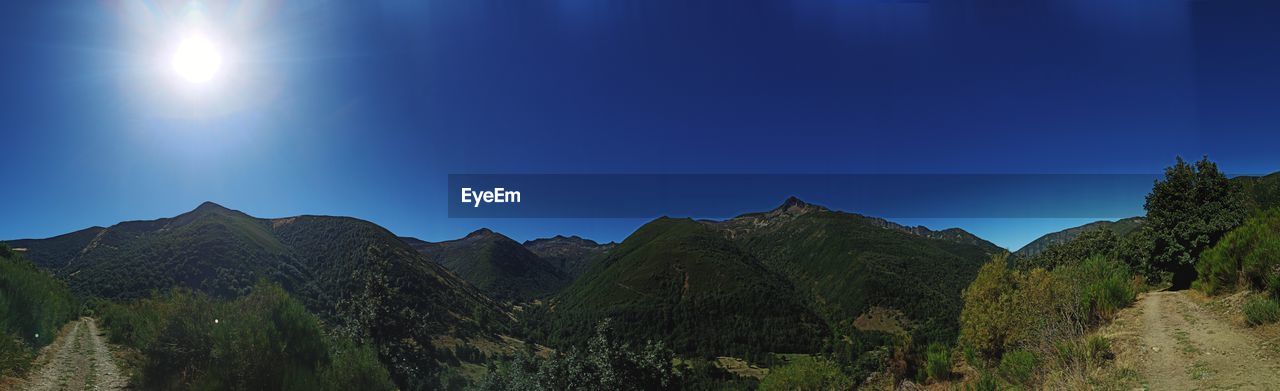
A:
<point x="741" y="367"/>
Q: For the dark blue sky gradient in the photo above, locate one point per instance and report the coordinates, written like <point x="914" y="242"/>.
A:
<point x="363" y="108"/>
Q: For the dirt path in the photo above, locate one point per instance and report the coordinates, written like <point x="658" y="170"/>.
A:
<point x="77" y="360"/>
<point x="1186" y="347"/>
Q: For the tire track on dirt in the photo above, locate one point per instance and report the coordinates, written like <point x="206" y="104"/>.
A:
<point x="78" y="360"/>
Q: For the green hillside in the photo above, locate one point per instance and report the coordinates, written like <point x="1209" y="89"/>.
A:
<point x="1263" y="191"/>
<point x="357" y="276"/>
<point x="1121" y="228"/>
<point x="572" y="255"/>
<point x="684" y="282"/>
<point x="33" y="306"/>
<point x="53" y="253"/>
<point x="499" y="266"/>
<point x="850" y="263"/>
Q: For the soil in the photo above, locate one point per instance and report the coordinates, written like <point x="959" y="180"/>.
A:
<point x="78" y="360"/>
<point x="1184" y="346"/>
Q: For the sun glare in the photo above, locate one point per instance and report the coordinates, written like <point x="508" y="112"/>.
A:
<point x="197" y="59"/>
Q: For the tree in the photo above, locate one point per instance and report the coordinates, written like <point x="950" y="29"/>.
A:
<point x="1101" y="242"/>
<point x="1187" y="212"/>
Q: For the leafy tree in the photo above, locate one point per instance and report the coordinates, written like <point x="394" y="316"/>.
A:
<point x="1188" y="211"/>
<point x="1007" y="310"/>
<point x="1102" y="242"/>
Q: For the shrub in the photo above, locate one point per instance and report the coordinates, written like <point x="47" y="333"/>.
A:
<point x="1261" y="311"/>
<point x="1098" y="347"/>
<point x="1018" y="366"/>
<point x="1247" y="257"/>
<point x="984" y="318"/>
<point x="264" y="340"/>
<point x="33" y="306"/>
<point x="985" y="382"/>
<point x="1105" y="286"/>
<point x="1006" y="310"/>
<point x="938" y="362"/>
<point x="807" y="373"/>
<point x="606" y="364"/>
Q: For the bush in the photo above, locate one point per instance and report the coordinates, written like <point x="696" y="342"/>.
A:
<point x="938" y="362"/>
<point x="1098" y="347"/>
<point x="1261" y="311"/>
<point x="33" y="306"/>
<point x="1246" y="258"/>
<point x="264" y="340"/>
<point x="807" y="373"/>
<point x="1105" y="284"/>
<point x="1018" y="366"/>
<point x="1007" y="310"/>
<point x="985" y="382"/>
<point x="606" y="364"/>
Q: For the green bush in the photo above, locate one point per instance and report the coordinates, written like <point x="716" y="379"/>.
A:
<point x="1018" y="366"/>
<point x="263" y="340"/>
<point x="33" y="306"/>
<point x="1098" y="347"/>
<point x="1106" y="286"/>
<point x="1261" y="311"/>
<point x="1008" y="309"/>
<point x="607" y="363"/>
<point x="807" y="373"/>
<point x="1246" y="257"/>
<point x="938" y="362"/>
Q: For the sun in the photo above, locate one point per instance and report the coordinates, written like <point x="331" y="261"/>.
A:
<point x="197" y="59"/>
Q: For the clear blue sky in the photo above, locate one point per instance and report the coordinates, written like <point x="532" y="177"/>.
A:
<point x="363" y="108"/>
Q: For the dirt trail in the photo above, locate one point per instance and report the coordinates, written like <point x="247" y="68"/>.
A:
<point x="77" y="360"/>
<point x="1186" y="347"/>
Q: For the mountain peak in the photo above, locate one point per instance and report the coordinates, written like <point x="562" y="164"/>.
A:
<point x="210" y="206"/>
<point x="796" y="206"/>
<point x="480" y="232"/>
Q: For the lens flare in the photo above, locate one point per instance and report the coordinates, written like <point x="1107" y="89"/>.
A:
<point x="197" y="59"/>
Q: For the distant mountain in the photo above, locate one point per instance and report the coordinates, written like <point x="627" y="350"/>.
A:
<point x="572" y="255"/>
<point x="795" y="206"/>
<point x="685" y="282"/>
<point x="1121" y="228"/>
<point x="499" y="266"/>
<point x="849" y="263"/>
<point x="351" y="272"/>
<point x="1262" y="191"/>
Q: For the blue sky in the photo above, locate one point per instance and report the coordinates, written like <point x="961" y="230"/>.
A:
<point x="364" y="108"/>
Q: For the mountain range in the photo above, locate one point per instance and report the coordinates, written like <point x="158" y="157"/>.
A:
<point x="783" y="280"/>
<point x="356" y="275"/>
